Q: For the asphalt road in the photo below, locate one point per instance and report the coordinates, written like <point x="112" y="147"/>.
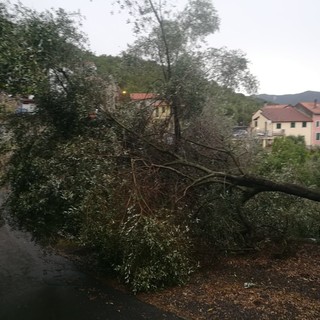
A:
<point x="35" y="284"/>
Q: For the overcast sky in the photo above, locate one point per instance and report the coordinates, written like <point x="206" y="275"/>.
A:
<point x="280" y="37"/>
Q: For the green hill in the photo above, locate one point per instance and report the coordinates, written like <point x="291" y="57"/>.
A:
<point x="290" y="98"/>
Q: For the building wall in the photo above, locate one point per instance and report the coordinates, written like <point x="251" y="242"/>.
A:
<point x="262" y="126"/>
<point x="30" y="107"/>
<point x="315" y="130"/>
<point x="298" y="130"/>
<point x="162" y="111"/>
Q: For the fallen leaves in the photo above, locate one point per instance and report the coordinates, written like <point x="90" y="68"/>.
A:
<point x="255" y="287"/>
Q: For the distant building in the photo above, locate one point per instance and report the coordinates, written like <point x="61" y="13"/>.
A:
<point x="312" y="110"/>
<point x="273" y="121"/>
<point x="159" y="107"/>
<point x="26" y="105"/>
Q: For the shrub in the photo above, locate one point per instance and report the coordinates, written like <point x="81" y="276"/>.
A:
<point x="147" y="252"/>
<point x="154" y="253"/>
<point x="276" y="215"/>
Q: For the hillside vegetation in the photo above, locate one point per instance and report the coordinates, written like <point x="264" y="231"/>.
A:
<point x="290" y="98"/>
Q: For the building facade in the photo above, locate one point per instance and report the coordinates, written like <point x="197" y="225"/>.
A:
<point x="312" y="110"/>
<point x="274" y="121"/>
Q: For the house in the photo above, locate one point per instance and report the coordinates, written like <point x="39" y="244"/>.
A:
<point x="312" y="110"/>
<point x="273" y="121"/>
<point x="26" y="105"/>
<point x="160" y="108"/>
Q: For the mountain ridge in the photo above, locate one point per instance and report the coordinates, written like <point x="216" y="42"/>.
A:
<point x="290" y="98"/>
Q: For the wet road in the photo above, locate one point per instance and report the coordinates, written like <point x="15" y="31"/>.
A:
<point x="38" y="285"/>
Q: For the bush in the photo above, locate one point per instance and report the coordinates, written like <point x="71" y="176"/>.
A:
<point x="216" y="220"/>
<point x="146" y="251"/>
<point x="154" y="253"/>
<point x="275" y="215"/>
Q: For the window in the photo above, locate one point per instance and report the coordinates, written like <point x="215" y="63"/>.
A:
<point x="318" y="124"/>
<point x="163" y="109"/>
<point x="278" y="125"/>
<point x="318" y="136"/>
<point x="256" y="123"/>
<point x="292" y="125"/>
<point x="157" y="112"/>
<point x="304" y="124"/>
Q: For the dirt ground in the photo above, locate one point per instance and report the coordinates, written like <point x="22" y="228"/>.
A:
<point x="255" y="286"/>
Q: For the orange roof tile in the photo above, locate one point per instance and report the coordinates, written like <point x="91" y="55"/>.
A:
<point x="313" y="107"/>
<point x="286" y="114"/>
<point x="143" y="96"/>
<point x="274" y="106"/>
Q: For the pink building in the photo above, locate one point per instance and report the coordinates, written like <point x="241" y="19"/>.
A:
<point x="312" y="109"/>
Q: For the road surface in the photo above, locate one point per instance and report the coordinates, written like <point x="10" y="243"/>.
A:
<point x="35" y="284"/>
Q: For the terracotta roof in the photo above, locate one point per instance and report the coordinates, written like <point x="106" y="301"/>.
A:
<point x="286" y="114"/>
<point x="274" y="106"/>
<point x="143" y="96"/>
<point x="311" y="106"/>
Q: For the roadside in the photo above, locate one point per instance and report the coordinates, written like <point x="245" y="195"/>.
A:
<point x="256" y="286"/>
<point x="37" y="284"/>
<point x="261" y="285"/>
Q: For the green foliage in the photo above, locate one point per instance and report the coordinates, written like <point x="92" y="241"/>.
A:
<point x="79" y="189"/>
<point x="216" y="220"/>
<point x="71" y="176"/>
<point x="8" y="104"/>
<point x="288" y="153"/>
<point x="155" y="253"/>
<point x="48" y="178"/>
<point x="190" y="84"/>
<point x="146" y="252"/>
<point x="278" y="216"/>
<point x="233" y="105"/>
<point x="132" y="74"/>
<point x="65" y="107"/>
<point x="33" y="44"/>
<point x="175" y="41"/>
<point x="112" y="183"/>
<point x="310" y="171"/>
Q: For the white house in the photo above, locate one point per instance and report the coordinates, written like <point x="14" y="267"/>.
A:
<point x="273" y="121"/>
<point x="27" y="105"/>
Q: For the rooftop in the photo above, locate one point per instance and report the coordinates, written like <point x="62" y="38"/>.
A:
<point x="313" y="107"/>
<point x="285" y="114"/>
<point x="143" y="96"/>
<point x="274" y="106"/>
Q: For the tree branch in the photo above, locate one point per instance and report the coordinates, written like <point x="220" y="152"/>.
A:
<point x="164" y="39"/>
<point x="227" y="152"/>
<point x="256" y="184"/>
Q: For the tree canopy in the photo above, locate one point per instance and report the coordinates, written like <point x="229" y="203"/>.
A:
<point x="112" y="182"/>
<point x="32" y="45"/>
<point x="176" y="41"/>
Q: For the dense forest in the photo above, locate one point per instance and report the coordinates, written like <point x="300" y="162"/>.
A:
<point x="150" y="199"/>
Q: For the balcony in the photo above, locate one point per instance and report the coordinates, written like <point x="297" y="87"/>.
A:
<point x="269" y="133"/>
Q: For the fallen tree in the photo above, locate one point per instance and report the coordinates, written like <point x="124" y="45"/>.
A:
<point x="143" y="198"/>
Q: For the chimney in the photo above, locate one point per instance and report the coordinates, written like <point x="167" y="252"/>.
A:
<point x="315" y="103"/>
